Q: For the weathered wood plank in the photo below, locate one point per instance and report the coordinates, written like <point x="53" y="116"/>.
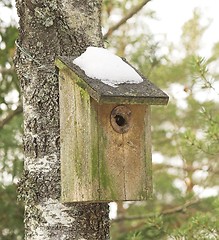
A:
<point x="77" y="146"/>
<point x="111" y="156"/>
<point x="123" y="163"/>
<point x="67" y="136"/>
<point x="134" y="155"/>
<point x="147" y="152"/>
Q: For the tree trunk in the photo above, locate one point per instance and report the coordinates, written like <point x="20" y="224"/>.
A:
<point x="47" y="29"/>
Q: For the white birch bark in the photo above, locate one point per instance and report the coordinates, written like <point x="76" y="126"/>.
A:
<point x="47" y="29"/>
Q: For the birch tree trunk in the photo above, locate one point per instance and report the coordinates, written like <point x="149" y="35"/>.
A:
<point x="49" y="28"/>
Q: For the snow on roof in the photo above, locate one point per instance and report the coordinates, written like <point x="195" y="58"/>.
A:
<point x="101" y="64"/>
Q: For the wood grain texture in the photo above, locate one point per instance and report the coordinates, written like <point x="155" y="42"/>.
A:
<point x="124" y="156"/>
<point x="78" y="136"/>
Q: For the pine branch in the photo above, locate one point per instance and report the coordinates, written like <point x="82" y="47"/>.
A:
<point x="169" y="211"/>
<point x="10" y="116"/>
<point x="181" y="208"/>
<point x="134" y="10"/>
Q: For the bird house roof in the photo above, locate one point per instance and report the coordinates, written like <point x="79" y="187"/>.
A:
<point x="143" y="92"/>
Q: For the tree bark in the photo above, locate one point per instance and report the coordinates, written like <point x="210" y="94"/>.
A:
<point x="47" y="29"/>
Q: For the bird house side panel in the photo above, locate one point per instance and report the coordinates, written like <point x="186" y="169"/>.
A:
<point x="77" y="133"/>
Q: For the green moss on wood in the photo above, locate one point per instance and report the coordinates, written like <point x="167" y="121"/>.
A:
<point x="95" y="161"/>
<point x="61" y="66"/>
<point x="106" y="179"/>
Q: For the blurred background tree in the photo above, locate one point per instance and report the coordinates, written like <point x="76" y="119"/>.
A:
<point x="185" y="204"/>
<point x="11" y="163"/>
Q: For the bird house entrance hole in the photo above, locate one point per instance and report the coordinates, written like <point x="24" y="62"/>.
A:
<point x="121" y="118"/>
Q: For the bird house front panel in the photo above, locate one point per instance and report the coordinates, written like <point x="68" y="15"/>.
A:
<point x="124" y="151"/>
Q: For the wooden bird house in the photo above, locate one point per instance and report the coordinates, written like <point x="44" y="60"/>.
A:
<point x="105" y="137"/>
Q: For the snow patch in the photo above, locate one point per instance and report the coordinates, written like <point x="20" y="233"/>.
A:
<point x="55" y="213"/>
<point x="101" y="64"/>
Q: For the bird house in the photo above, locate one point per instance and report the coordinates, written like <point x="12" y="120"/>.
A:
<point x="105" y="136"/>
